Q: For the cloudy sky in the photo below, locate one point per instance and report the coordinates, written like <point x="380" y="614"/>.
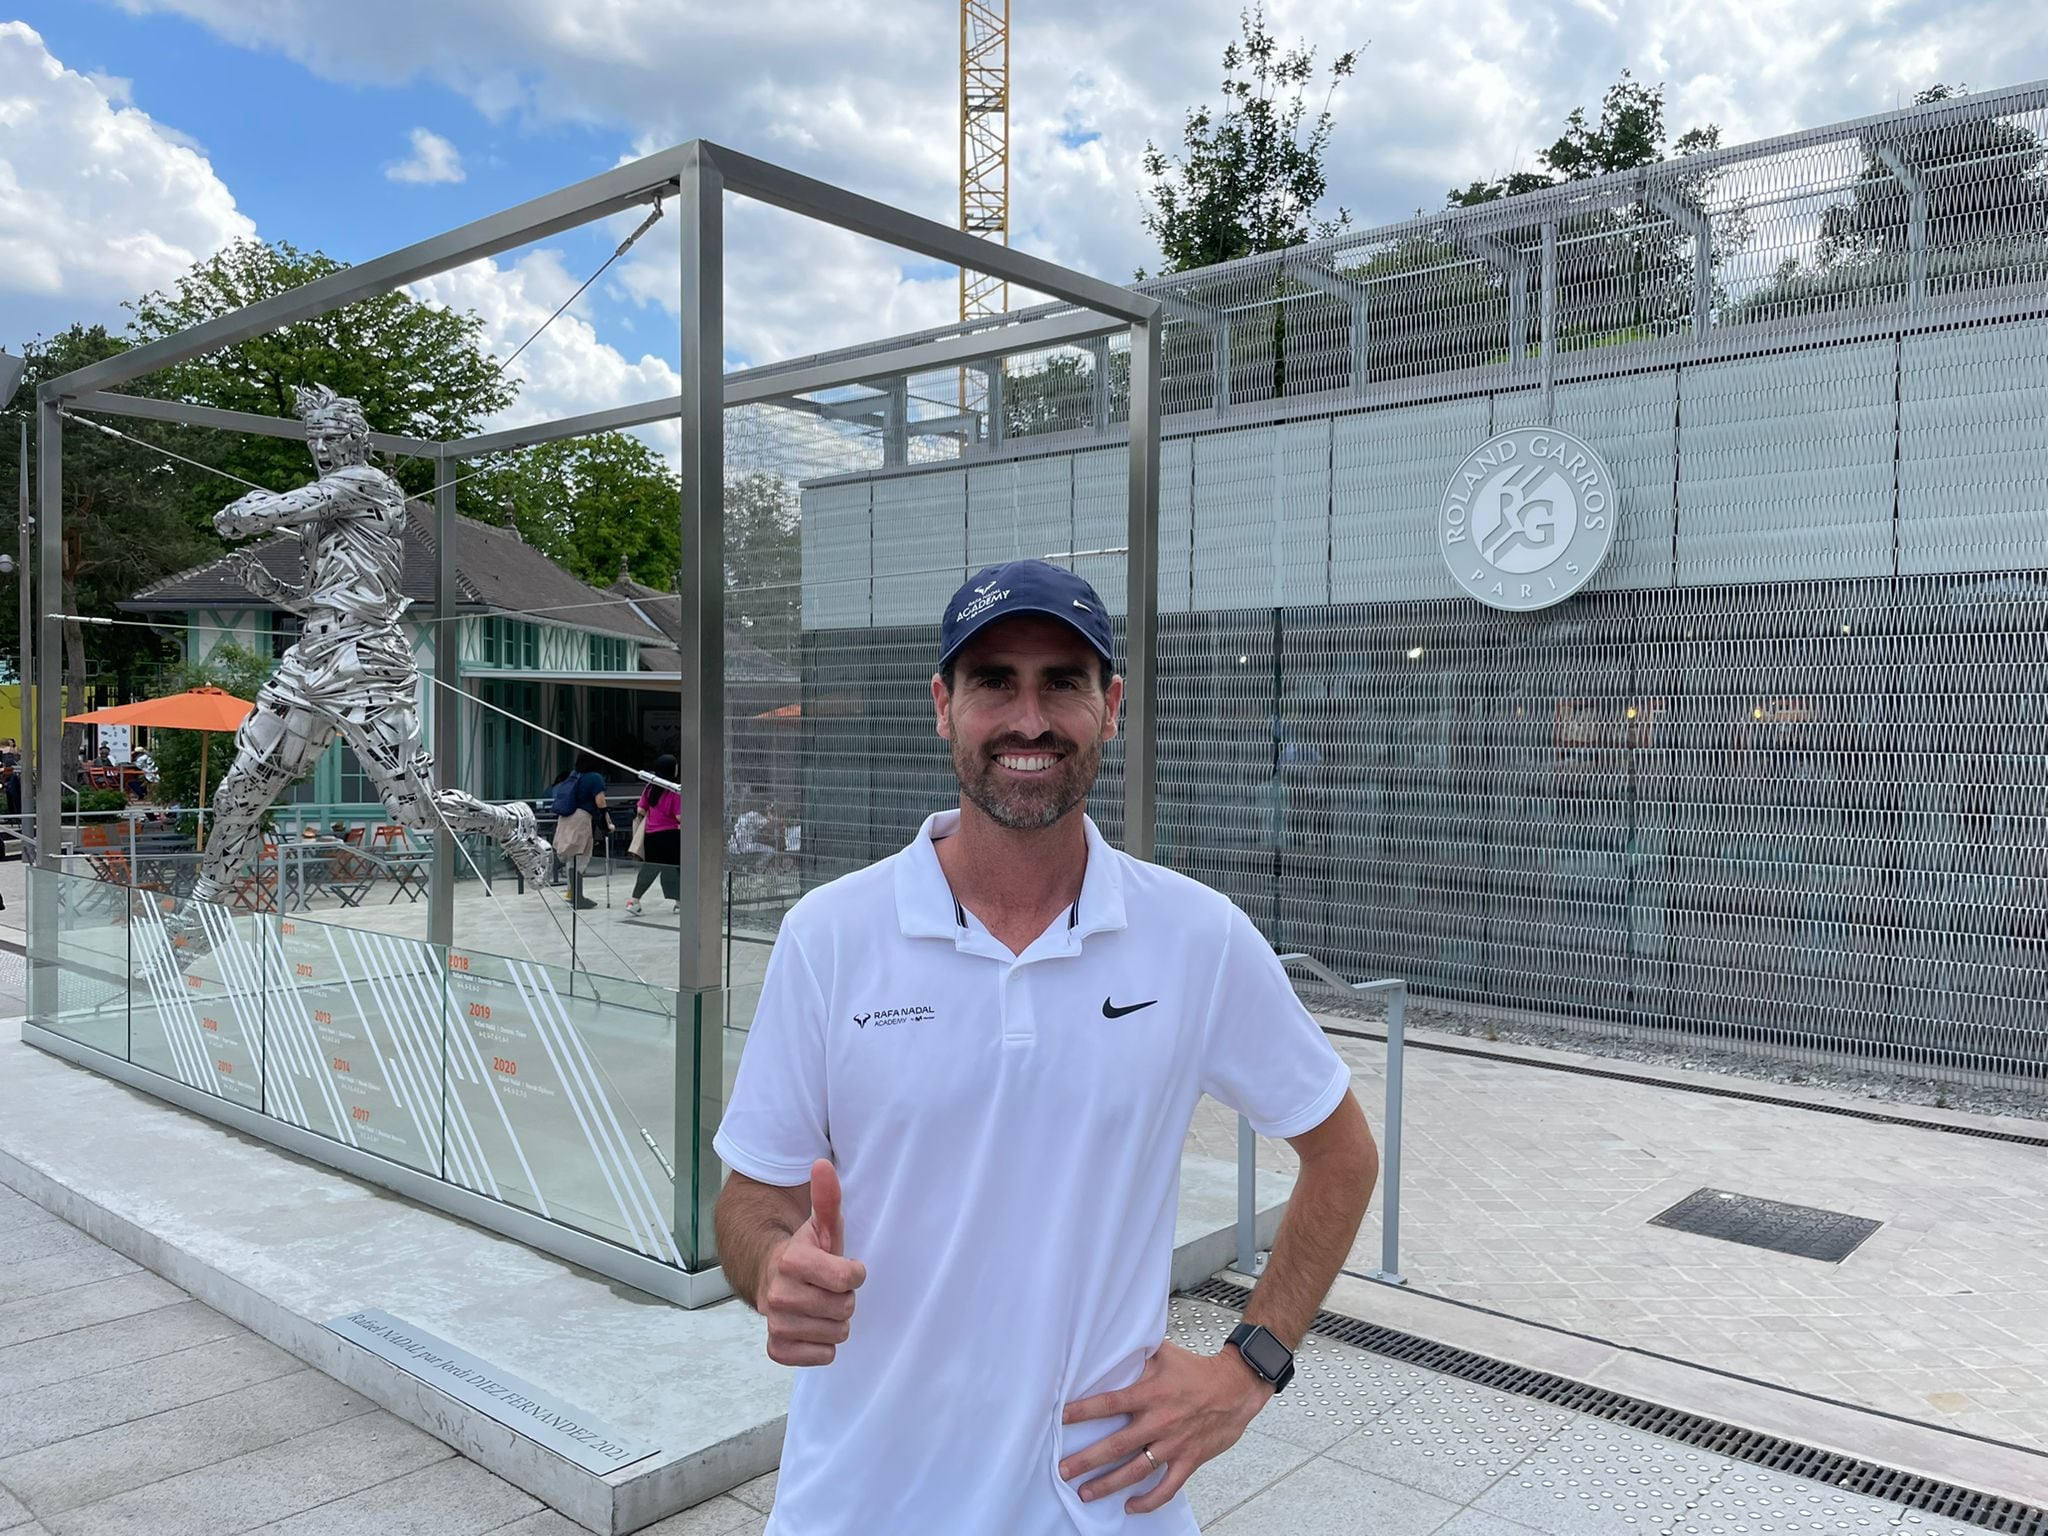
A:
<point x="137" y="136"/>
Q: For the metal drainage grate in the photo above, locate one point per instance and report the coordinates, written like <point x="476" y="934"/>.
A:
<point x="1804" y="1231"/>
<point x="1851" y="1474"/>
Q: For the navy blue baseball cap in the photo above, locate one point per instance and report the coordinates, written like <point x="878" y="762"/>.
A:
<point x="1025" y="586"/>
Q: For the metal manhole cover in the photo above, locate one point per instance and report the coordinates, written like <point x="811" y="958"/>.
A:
<point x="1805" y="1231"/>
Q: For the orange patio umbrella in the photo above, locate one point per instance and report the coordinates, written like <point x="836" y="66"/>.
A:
<point x="197" y="709"/>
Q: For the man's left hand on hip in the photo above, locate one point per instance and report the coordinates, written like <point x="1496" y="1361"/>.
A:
<point x="1185" y="1409"/>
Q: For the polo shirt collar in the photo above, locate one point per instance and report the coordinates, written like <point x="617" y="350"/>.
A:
<point x="925" y="908"/>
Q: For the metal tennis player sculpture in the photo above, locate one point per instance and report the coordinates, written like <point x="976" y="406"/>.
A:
<point x="351" y="673"/>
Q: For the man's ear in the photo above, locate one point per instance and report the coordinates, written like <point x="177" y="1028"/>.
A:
<point x="1115" y="698"/>
<point x="941" y="697"/>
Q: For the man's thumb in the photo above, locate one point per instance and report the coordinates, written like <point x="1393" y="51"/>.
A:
<point x="825" y="1206"/>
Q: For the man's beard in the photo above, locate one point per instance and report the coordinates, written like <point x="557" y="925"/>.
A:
<point x="1027" y="806"/>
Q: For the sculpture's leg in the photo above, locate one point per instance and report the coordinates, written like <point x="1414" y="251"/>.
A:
<point x="392" y="754"/>
<point x="277" y="745"/>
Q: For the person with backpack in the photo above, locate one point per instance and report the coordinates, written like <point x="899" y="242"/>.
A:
<point x="661" y="837"/>
<point x="579" y="811"/>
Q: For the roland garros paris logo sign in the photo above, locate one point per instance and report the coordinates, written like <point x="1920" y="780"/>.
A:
<point x="1527" y="518"/>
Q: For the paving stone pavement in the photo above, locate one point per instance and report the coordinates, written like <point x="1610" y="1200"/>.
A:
<point x="1530" y="1191"/>
<point x="128" y="1409"/>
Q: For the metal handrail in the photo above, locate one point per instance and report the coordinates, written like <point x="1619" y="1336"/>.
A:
<point x="1396" y="992"/>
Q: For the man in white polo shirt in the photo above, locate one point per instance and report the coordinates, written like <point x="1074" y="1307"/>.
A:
<point x="957" y="1129"/>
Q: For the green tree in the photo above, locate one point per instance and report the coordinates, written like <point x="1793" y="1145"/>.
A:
<point x="1628" y="136"/>
<point x="418" y="369"/>
<point x="237" y="671"/>
<point x="764" y="561"/>
<point x="127" y="523"/>
<point x="1057" y="397"/>
<point x="1251" y="177"/>
<point x="593" y="505"/>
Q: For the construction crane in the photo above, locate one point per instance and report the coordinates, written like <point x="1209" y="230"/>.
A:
<point x="984" y="161"/>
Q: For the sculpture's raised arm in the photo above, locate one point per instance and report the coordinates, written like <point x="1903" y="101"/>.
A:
<point x="264" y="511"/>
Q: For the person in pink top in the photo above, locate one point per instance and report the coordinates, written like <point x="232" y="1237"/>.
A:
<point x="663" y="840"/>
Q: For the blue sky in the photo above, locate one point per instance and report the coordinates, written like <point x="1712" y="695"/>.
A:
<point x="137" y="136"/>
<point x="306" y="156"/>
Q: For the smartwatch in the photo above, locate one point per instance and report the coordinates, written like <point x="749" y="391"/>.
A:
<point x="1272" y="1360"/>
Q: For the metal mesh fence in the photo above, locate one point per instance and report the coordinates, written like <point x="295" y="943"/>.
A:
<point x="1939" y="209"/>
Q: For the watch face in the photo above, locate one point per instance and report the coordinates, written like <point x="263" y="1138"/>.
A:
<point x="1267" y="1353"/>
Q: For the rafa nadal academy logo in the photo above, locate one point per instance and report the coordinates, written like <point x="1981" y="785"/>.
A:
<point x="1527" y="518"/>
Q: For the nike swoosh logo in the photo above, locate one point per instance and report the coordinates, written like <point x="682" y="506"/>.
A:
<point x="1111" y="1011"/>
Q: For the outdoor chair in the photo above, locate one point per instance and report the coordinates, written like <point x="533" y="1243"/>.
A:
<point x="255" y="890"/>
<point x="350" y="871"/>
<point x="108" y="864"/>
<point x="401" y="861"/>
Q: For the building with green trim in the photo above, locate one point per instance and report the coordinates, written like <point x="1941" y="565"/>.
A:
<point x="537" y="647"/>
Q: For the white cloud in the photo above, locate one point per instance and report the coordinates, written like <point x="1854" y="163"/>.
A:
<point x="433" y="160"/>
<point x="794" y="286"/>
<point x="568" y="370"/>
<point x="866" y="96"/>
<point x="98" y="202"/>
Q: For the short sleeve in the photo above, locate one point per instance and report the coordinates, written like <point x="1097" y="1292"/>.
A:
<point x="1265" y="1057"/>
<point x="774" y="1126"/>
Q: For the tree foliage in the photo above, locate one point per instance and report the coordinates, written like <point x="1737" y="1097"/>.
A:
<point x="127" y="523"/>
<point x="1628" y="135"/>
<point x="418" y="369"/>
<point x="593" y="505"/>
<point x="764" y="561"/>
<point x="1251" y="176"/>
<point x="1059" y="396"/>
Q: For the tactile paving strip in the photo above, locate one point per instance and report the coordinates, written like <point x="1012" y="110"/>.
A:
<point x="1752" y="1502"/>
<point x="1599" y="1480"/>
<point x="1335" y="1391"/>
<point x="1804" y="1231"/>
<point x="1957" y="1507"/>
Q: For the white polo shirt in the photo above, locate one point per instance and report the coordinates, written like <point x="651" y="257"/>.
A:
<point x="1008" y="1133"/>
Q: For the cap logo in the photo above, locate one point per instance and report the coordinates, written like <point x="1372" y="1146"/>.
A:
<point x="1082" y="606"/>
<point x="984" y="591"/>
<point x="981" y="604"/>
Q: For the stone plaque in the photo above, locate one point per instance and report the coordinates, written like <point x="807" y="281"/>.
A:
<point x="528" y="1411"/>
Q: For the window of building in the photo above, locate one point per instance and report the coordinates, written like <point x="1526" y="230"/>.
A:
<point x="508" y="643"/>
<point x="357" y="787"/>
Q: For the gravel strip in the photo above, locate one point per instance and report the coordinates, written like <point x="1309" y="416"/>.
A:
<point x="1622" y="1043"/>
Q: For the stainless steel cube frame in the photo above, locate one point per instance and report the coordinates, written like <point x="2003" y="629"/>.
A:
<point x="697" y="177"/>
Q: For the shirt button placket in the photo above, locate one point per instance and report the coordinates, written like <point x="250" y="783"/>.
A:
<point x="1017" y="1022"/>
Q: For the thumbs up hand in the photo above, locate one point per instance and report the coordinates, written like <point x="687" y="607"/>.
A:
<point x="808" y="1300"/>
